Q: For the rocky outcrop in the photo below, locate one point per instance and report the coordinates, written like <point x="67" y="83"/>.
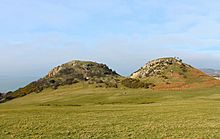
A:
<point x="54" y="71"/>
<point x="156" y="67"/>
<point x="76" y="71"/>
<point x="81" y="70"/>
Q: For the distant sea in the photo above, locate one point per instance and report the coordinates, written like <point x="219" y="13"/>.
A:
<point x="8" y="83"/>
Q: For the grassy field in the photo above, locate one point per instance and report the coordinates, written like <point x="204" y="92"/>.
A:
<point x="79" y="111"/>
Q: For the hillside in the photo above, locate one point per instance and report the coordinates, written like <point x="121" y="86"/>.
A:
<point x="70" y="73"/>
<point x="172" y="73"/>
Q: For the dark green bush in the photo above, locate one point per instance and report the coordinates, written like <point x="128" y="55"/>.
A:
<point x="135" y="83"/>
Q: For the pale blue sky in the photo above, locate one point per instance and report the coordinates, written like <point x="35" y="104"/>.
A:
<point x="36" y="35"/>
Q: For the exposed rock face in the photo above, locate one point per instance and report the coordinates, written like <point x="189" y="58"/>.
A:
<point x="156" y="67"/>
<point x="54" y="71"/>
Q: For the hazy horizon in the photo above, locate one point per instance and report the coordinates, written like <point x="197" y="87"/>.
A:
<point x="124" y="34"/>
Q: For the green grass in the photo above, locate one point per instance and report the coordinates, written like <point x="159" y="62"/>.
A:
<point x="79" y="111"/>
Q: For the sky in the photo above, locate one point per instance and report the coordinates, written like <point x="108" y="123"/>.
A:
<point x="37" y="35"/>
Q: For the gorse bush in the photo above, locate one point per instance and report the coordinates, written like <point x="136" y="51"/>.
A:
<point x="32" y="87"/>
<point x="1" y="96"/>
<point x="135" y="83"/>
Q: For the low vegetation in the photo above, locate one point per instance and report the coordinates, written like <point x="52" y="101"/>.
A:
<point x="84" y="111"/>
<point x="1" y="95"/>
<point x="30" y="88"/>
<point x="136" y="83"/>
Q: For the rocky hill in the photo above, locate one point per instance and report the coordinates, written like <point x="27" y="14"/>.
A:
<point x="167" y="73"/>
<point x="157" y="67"/>
<point x="75" y="71"/>
<point x="70" y="73"/>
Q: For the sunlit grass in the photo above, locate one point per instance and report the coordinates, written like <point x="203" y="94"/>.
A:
<point x="88" y="112"/>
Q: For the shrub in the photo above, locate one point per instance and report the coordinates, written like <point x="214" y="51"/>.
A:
<point x="165" y="77"/>
<point x="135" y="83"/>
<point x="111" y="85"/>
<point x="32" y="87"/>
<point x="1" y="96"/>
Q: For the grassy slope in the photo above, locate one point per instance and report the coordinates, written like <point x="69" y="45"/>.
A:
<point x="81" y="112"/>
